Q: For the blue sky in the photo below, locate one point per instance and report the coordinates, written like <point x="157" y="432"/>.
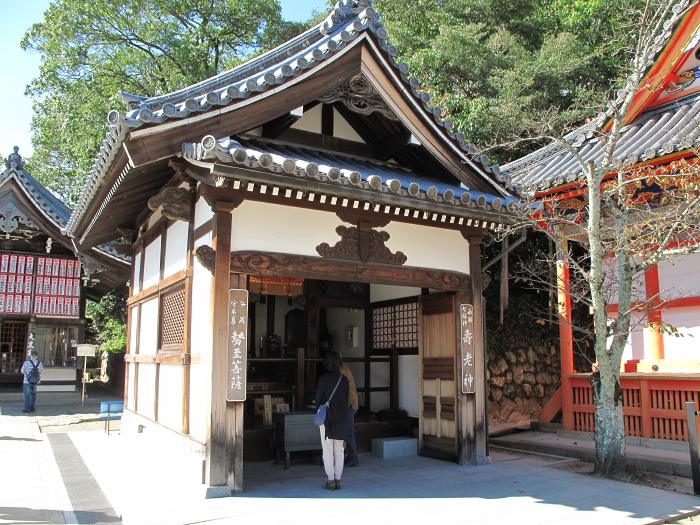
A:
<point x="19" y="67"/>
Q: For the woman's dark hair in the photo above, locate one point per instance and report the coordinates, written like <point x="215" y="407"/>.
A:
<point x="332" y="361"/>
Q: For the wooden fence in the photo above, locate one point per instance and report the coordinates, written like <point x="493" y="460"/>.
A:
<point x="653" y="405"/>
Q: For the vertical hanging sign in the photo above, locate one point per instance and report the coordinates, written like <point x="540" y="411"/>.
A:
<point x="466" y="323"/>
<point x="237" y="344"/>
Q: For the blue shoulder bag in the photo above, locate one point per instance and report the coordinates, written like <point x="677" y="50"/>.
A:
<point x="320" y="417"/>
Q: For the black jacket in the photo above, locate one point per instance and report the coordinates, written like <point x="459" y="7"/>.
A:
<point x="337" y="414"/>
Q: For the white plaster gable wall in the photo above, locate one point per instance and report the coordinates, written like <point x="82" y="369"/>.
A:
<point x="428" y="247"/>
<point x="267" y="227"/>
<point x="151" y="263"/>
<point x="202" y="212"/>
<point x="680" y="277"/>
<point x="175" y="248"/>
<point x="342" y="128"/>
<point x="687" y="347"/>
<point x="310" y="121"/>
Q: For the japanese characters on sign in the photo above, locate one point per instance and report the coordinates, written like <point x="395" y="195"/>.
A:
<point x="466" y="323"/>
<point x="237" y="344"/>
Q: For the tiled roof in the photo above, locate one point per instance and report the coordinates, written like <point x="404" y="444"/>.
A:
<point x="52" y="206"/>
<point x="659" y="131"/>
<point x="341" y="169"/>
<point x="348" y="20"/>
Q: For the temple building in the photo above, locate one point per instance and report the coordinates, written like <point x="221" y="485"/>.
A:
<point x="311" y="199"/>
<point x="659" y="138"/>
<point x="43" y="284"/>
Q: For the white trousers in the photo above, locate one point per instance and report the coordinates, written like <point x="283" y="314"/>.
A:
<point x="333" y="455"/>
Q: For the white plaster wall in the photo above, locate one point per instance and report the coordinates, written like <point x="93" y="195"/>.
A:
<point x="610" y="283"/>
<point x="176" y="248"/>
<point x="148" y="334"/>
<point x="408" y="384"/>
<point x="680" y="276"/>
<point x="687" y="320"/>
<point x="202" y="212"/>
<point x="271" y="227"/>
<point x="636" y="342"/>
<point x="380" y="377"/>
<point x="429" y="247"/>
<point x="154" y="218"/>
<point x="151" y="263"/>
<point x="131" y="375"/>
<point x="201" y="348"/>
<point x="136" y="285"/>
<point x="146" y="389"/>
<point x="170" y="396"/>
<point x="310" y="121"/>
<point x="342" y="128"/>
<point x="387" y="292"/>
<point x="200" y="402"/>
<point x="133" y="341"/>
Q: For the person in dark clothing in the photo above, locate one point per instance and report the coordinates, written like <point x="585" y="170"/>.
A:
<point x="335" y="429"/>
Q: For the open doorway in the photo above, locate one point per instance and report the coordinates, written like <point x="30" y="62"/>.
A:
<point x="374" y="328"/>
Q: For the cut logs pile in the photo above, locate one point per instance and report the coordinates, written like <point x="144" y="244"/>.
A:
<point x="522" y="381"/>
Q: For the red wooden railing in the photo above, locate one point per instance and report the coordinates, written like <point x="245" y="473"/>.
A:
<point x="653" y="405"/>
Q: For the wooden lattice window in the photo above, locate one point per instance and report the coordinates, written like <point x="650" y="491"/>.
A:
<point x="395" y="326"/>
<point x="172" y="318"/>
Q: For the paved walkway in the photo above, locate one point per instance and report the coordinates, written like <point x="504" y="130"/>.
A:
<point x="89" y="477"/>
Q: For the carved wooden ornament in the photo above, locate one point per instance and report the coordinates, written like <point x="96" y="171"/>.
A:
<point x="361" y="243"/>
<point x="176" y="203"/>
<point x="206" y="255"/>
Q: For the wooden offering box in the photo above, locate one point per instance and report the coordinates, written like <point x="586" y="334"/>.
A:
<point x="293" y="432"/>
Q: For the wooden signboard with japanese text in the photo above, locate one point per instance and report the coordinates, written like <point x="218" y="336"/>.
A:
<point x="466" y="337"/>
<point x="237" y="344"/>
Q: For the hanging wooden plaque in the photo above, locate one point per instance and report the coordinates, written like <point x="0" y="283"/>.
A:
<point x="237" y="344"/>
<point x="466" y="323"/>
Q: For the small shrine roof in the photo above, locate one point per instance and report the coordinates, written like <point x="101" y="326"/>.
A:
<point x="341" y="170"/>
<point x="44" y="200"/>
<point x="660" y="131"/>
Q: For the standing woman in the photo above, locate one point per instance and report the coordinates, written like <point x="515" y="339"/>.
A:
<point x="334" y="386"/>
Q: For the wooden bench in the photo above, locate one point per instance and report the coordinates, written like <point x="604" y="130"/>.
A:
<point x="109" y="411"/>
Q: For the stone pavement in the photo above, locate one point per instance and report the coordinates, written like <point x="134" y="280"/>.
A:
<point x="89" y="477"/>
<point x="655" y="455"/>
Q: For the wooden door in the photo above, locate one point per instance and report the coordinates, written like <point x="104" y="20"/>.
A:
<point x="438" y="421"/>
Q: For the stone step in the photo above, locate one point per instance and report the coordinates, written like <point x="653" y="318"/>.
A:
<point x="394" y="447"/>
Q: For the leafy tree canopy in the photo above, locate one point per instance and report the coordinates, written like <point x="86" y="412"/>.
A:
<point x="498" y="67"/>
<point x="90" y="51"/>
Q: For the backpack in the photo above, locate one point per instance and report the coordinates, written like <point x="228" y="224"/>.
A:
<point x="33" y="375"/>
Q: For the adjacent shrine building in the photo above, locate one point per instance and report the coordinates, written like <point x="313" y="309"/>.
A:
<point x="307" y="200"/>
<point x="43" y="285"/>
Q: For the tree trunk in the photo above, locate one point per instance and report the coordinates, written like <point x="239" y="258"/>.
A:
<point x="609" y="423"/>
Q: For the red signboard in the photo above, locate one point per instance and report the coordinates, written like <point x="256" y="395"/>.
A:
<point x="39" y="285"/>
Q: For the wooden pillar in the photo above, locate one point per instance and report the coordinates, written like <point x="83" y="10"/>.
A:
<point x="217" y="462"/>
<point x="653" y="295"/>
<point x="566" y="338"/>
<point x="472" y="446"/>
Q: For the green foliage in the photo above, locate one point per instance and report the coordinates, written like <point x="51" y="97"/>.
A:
<point x="107" y="318"/>
<point x="90" y="51"/>
<point x="505" y="69"/>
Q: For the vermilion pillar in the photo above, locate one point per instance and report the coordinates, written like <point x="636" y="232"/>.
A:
<point x="566" y="338"/>
<point x="654" y="336"/>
